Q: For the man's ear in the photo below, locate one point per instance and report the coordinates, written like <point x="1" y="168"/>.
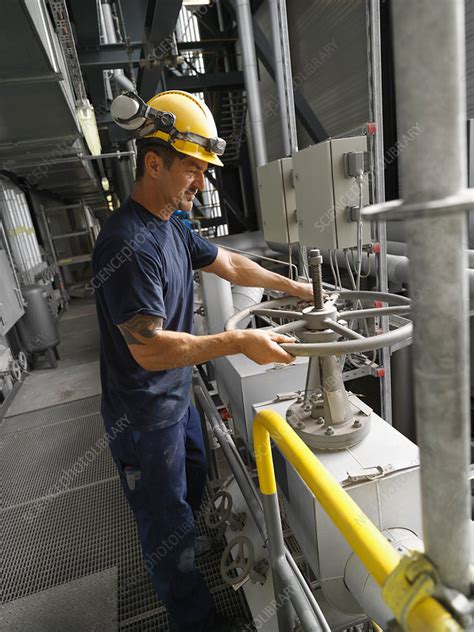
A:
<point x="153" y="164"/>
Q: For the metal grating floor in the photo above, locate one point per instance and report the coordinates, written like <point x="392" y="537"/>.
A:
<point x="52" y="415"/>
<point x="61" y="522"/>
<point x="91" y="602"/>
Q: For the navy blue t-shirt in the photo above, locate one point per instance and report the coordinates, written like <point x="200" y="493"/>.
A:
<point x="144" y="265"/>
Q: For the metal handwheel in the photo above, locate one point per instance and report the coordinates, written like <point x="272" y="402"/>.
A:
<point x="325" y="416"/>
<point x="238" y="563"/>
<point x="325" y="331"/>
<point x="219" y="514"/>
<point x="15" y="370"/>
<point x="23" y="360"/>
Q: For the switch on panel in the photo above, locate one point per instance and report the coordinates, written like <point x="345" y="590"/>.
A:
<point x="277" y="201"/>
<point x="324" y="193"/>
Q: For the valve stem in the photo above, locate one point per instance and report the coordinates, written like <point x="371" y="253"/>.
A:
<point x="315" y="261"/>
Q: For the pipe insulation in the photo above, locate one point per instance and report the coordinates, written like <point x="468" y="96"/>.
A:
<point x="222" y="301"/>
<point x="364" y="587"/>
<point x="16" y="216"/>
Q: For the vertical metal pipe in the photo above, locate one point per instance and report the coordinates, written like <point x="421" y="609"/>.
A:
<point x="430" y="87"/>
<point x="252" y="88"/>
<point x="108" y="21"/>
<point x="132" y="148"/>
<point x="280" y="75"/>
<point x="283" y="75"/>
<point x="287" y="591"/>
<point x="212" y="467"/>
<point x="276" y="546"/>
<point x="111" y="37"/>
<point x="290" y="100"/>
<point x="375" y="65"/>
<point x="124" y="179"/>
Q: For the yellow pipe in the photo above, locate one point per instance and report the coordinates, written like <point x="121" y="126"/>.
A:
<point x="374" y="551"/>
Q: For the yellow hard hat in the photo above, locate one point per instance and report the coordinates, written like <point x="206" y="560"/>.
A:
<point x="195" y="132"/>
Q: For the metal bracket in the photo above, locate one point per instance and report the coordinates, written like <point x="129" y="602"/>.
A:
<point x="414" y="579"/>
<point x="371" y="474"/>
<point x="398" y="210"/>
<point x="285" y="397"/>
<point x="353" y="214"/>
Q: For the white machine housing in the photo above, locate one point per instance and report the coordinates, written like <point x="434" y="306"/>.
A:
<point x="391" y="501"/>
<point x="241" y="382"/>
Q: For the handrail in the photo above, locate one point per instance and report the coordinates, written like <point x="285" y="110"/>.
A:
<point x="374" y="551"/>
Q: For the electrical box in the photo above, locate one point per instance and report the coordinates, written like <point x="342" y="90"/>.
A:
<point x="277" y="201"/>
<point x="324" y="194"/>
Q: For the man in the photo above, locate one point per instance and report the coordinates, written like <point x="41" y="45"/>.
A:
<point x="143" y="275"/>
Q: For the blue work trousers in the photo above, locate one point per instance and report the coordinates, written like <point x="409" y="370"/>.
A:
<point x="163" y="474"/>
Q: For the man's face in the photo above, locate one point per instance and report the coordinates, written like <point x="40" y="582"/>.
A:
<point x="178" y="185"/>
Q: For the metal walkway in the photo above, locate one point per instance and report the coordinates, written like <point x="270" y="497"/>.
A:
<point x="64" y="518"/>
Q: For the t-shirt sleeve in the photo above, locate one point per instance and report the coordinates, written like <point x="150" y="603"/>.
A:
<point x="131" y="282"/>
<point x="203" y="252"/>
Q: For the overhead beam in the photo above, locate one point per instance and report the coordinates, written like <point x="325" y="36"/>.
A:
<point x="207" y="44"/>
<point x="208" y="81"/>
<point x="109" y="56"/>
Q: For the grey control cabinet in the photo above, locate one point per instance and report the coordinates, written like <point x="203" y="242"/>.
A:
<point x="277" y="201"/>
<point x="324" y="193"/>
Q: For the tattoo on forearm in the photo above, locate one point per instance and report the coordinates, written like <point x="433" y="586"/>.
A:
<point x="141" y="328"/>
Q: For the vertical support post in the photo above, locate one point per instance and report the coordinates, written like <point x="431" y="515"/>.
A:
<point x="430" y="87"/>
<point x="375" y="65"/>
<point x="252" y="88"/>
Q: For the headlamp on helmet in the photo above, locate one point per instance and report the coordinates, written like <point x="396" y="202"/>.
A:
<point x="129" y="111"/>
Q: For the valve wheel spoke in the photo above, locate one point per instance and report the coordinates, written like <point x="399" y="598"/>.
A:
<point x="348" y="333"/>
<point x="296" y="325"/>
<point x="373" y="312"/>
<point x="277" y="313"/>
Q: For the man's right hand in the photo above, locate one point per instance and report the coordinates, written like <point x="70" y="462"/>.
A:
<point x="262" y="346"/>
